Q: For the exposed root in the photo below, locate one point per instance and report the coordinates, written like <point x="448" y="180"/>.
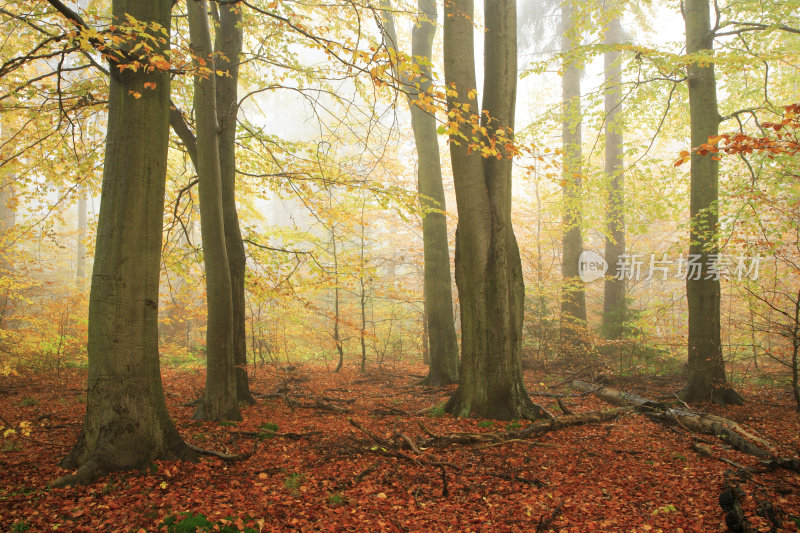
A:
<point x="100" y="464"/>
<point x="89" y="472"/>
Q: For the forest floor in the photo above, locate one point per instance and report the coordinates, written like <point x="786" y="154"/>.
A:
<point x="315" y="470"/>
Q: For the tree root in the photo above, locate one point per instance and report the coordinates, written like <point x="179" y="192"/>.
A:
<point x="99" y="464"/>
<point x="88" y="472"/>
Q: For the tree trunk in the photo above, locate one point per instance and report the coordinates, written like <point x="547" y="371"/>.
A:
<point x="8" y="219"/>
<point x="488" y="267"/>
<point x="438" y="286"/>
<point x="426" y="354"/>
<point x="229" y="44"/>
<point x="363" y="293"/>
<point x="573" y="299"/>
<point x="337" y="339"/>
<point x="795" y="329"/>
<point x="220" y="400"/>
<point x="363" y="332"/>
<point x="706" y="367"/>
<point x="80" y="245"/>
<point x="614" y="289"/>
<point x="126" y="425"/>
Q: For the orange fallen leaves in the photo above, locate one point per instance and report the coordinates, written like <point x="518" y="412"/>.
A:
<point x="630" y="474"/>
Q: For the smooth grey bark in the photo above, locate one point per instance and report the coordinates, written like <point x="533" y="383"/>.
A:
<point x="574" y="342"/>
<point x="438" y="286"/>
<point x="228" y="42"/>
<point x="706" y="367"/>
<point x="220" y="400"/>
<point x="127" y="425"/>
<point x="614" y="287"/>
<point x="488" y="267"/>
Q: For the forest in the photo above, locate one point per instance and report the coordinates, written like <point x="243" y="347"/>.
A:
<point x="399" y="265"/>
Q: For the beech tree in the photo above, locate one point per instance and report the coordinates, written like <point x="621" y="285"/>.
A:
<point x="573" y="295"/>
<point x="437" y="287"/>
<point x="614" y="286"/>
<point x="126" y="425"/>
<point x="220" y="400"/>
<point x="488" y="267"/>
<point x="225" y="104"/>
<point x="228" y="45"/>
<point x="706" y="367"/>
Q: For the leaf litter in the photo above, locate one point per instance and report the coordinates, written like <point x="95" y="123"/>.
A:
<point x="333" y="452"/>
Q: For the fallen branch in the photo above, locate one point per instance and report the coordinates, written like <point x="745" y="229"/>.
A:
<point x="356" y="480"/>
<point x="535" y="429"/>
<point x="563" y="407"/>
<point x="546" y="521"/>
<point x="288" y="435"/>
<point x="224" y="456"/>
<point x="724" y="429"/>
<point x="386" y="410"/>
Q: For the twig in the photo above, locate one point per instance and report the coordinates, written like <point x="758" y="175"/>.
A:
<point x="512" y="441"/>
<point x="564" y="408"/>
<point x="411" y="443"/>
<point x="546" y="521"/>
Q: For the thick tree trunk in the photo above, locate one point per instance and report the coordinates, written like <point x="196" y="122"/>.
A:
<point x="229" y="44"/>
<point x="574" y="342"/>
<point x="706" y="367"/>
<point x="488" y="267"/>
<point x="126" y="425"/>
<point x="220" y="399"/>
<point x="438" y="286"/>
<point x="614" y="289"/>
